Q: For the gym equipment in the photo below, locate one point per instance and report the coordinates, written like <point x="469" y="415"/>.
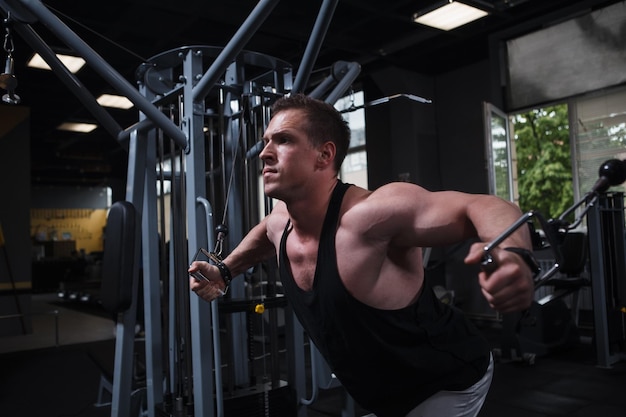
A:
<point x="8" y="81"/>
<point x="118" y="262"/>
<point x="202" y="109"/>
<point x="548" y="324"/>
<point x="608" y="272"/>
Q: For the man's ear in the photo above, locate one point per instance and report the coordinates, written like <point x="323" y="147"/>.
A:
<point x="327" y="153"/>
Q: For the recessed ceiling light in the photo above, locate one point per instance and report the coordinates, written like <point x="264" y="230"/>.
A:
<point x="118" y="102"/>
<point x="73" y="63"/>
<point x="77" y="127"/>
<point x="449" y="15"/>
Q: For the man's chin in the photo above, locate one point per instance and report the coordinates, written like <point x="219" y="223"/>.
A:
<point x="275" y="193"/>
<point x="269" y="191"/>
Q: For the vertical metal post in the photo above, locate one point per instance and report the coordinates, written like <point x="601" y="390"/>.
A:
<point x="598" y="286"/>
<point x="232" y="151"/>
<point x="600" y="275"/>
<point x="200" y="311"/>
<point x="152" y="283"/>
<point x="125" y="327"/>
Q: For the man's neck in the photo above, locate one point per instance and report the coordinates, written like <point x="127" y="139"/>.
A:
<point x="307" y="215"/>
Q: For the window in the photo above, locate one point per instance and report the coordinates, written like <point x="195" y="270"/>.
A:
<point x="557" y="150"/>
<point x="499" y="154"/>
<point x="544" y="161"/>
<point x="354" y="168"/>
<point x="600" y="135"/>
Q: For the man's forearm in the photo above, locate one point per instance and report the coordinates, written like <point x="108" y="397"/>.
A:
<point x="493" y="216"/>
<point x="255" y="247"/>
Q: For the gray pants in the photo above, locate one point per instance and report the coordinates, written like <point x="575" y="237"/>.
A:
<point x="465" y="403"/>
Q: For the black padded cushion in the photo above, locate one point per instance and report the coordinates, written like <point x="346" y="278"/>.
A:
<point x="118" y="258"/>
<point x="574" y="252"/>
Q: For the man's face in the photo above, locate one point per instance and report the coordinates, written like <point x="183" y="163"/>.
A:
<point x="288" y="156"/>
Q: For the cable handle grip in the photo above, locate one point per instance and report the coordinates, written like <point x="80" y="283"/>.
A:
<point x="488" y="264"/>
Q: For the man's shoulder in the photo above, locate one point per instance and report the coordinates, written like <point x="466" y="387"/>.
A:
<point x="384" y="195"/>
<point x="276" y="220"/>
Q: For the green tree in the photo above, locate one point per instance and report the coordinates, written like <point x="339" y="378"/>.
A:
<point x="544" y="160"/>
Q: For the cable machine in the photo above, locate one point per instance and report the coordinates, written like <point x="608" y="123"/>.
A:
<point x="524" y="332"/>
<point x="203" y="110"/>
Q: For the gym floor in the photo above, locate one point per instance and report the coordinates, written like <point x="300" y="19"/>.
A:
<point x="56" y="371"/>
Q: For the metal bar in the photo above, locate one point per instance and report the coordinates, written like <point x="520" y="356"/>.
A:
<point x="543" y="279"/>
<point x="144" y="125"/>
<point x="322" y="87"/>
<point x="125" y="327"/>
<point x="163" y="262"/>
<point x="202" y="342"/>
<point x="313" y="46"/>
<point x="352" y="71"/>
<point x="388" y="99"/>
<point x="217" y="351"/>
<point x="187" y="380"/>
<point x="152" y="282"/>
<point x="172" y="317"/>
<point x="56" y="26"/>
<point x="233" y="215"/>
<point x="598" y="286"/>
<point x="234" y="46"/>
<point x="512" y="228"/>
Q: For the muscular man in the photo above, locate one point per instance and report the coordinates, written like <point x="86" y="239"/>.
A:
<point x="351" y="267"/>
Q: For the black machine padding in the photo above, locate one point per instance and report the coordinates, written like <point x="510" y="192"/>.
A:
<point x="116" y="289"/>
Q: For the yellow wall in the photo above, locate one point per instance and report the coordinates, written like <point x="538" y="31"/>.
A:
<point x="85" y="226"/>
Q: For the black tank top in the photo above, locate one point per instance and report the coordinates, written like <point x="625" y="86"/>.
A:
<point x="388" y="360"/>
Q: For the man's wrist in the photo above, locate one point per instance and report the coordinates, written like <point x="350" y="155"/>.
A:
<point x="528" y="257"/>
<point x="224" y="272"/>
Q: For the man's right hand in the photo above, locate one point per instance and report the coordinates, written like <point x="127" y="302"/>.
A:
<point x="209" y="285"/>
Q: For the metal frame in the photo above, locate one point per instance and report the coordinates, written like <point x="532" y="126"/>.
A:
<point x="185" y="325"/>
<point x="606" y="232"/>
<point x="608" y="269"/>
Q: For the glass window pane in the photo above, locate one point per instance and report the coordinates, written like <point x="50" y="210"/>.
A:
<point x="601" y="135"/>
<point x="500" y="150"/>
<point x="354" y="168"/>
<point x="499" y="154"/>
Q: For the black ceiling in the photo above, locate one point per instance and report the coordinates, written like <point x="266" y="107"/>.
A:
<point x="125" y="33"/>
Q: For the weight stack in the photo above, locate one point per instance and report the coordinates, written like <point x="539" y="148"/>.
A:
<point x="262" y="401"/>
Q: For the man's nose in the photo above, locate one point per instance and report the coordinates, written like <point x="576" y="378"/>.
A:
<point x="264" y="154"/>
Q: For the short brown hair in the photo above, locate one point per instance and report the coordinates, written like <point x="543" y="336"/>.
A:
<point x="324" y="122"/>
